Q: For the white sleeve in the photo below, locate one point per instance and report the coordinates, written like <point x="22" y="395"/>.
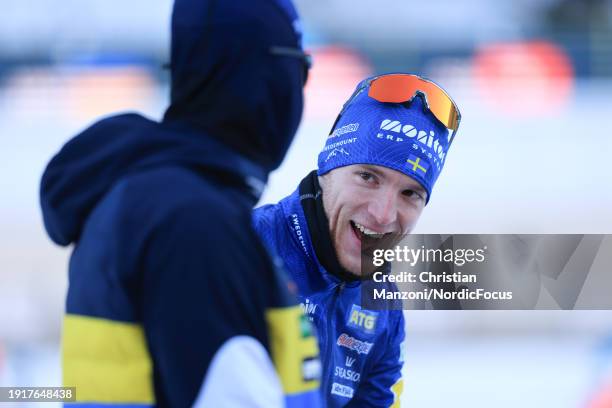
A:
<point x="241" y="374"/>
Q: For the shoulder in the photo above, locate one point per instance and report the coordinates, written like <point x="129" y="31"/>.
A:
<point x="187" y="222"/>
<point x="273" y="221"/>
<point x="176" y="192"/>
<point x="276" y="216"/>
<point x="267" y="217"/>
<point x="116" y="124"/>
<point x="176" y="207"/>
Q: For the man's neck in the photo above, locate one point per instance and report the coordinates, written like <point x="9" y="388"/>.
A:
<point x="311" y="199"/>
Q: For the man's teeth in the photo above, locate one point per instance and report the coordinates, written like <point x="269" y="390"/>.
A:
<point x="364" y="230"/>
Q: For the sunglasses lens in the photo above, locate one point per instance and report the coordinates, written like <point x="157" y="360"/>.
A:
<point x="392" y="88"/>
<point x="398" y="88"/>
<point x="305" y="58"/>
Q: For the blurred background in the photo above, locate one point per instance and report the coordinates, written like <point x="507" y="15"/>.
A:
<point x="533" y="80"/>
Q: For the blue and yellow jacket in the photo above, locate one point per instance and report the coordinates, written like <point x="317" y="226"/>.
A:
<point x="172" y="298"/>
<point x="361" y="350"/>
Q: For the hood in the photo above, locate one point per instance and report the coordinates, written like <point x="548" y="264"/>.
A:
<point x="227" y="83"/>
<point x="84" y="170"/>
<point x="234" y="109"/>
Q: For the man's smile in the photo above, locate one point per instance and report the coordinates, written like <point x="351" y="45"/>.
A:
<point x="362" y="231"/>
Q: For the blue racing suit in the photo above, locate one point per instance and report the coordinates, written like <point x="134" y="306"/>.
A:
<point x="361" y="350"/>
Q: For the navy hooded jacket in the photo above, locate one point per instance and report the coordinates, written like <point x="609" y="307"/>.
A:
<point x="172" y="299"/>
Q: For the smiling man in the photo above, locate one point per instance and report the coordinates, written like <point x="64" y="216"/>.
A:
<point x="375" y="176"/>
<point x="364" y="203"/>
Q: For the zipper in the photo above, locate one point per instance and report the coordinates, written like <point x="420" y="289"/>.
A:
<point x="330" y="335"/>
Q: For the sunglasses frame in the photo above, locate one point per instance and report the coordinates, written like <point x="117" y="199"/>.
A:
<point x="422" y="94"/>
<point x="298" y="53"/>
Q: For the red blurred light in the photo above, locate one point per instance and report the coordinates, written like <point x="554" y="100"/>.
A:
<point x="335" y="73"/>
<point x="524" y="78"/>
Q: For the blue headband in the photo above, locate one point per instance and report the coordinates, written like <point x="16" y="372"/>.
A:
<point x="404" y="137"/>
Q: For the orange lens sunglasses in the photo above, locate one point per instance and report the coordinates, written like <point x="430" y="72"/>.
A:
<point x="400" y="88"/>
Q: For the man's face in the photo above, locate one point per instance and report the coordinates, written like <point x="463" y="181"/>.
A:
<point x="364" y="202"/>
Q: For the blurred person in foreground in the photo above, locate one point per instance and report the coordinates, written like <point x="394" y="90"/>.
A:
<point x="172" y="299"/>
<point x="375" y="175"/>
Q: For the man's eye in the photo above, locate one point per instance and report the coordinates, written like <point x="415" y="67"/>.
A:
<point x="366" y="176"/>
<point x="412" y="194"/>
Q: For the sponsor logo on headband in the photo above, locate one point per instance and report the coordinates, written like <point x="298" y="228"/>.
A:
<point x="340" y="143"/>
<point x="395" y="131"/>
<point x="350" y="128"/>
<point x="336" y="152"/>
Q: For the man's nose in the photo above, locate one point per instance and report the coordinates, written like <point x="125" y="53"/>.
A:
<point x="383" y="208"/>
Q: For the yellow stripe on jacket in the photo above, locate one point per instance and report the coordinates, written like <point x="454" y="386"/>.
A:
<point x="397" y="389"/>
<point x="294" y="349"/>
<point x="107" y="361"/>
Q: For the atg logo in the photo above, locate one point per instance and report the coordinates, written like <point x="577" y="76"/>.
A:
<point x="351" y="343"/>
<point x="400" y="133"/>
<point x="362" y="319"/>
